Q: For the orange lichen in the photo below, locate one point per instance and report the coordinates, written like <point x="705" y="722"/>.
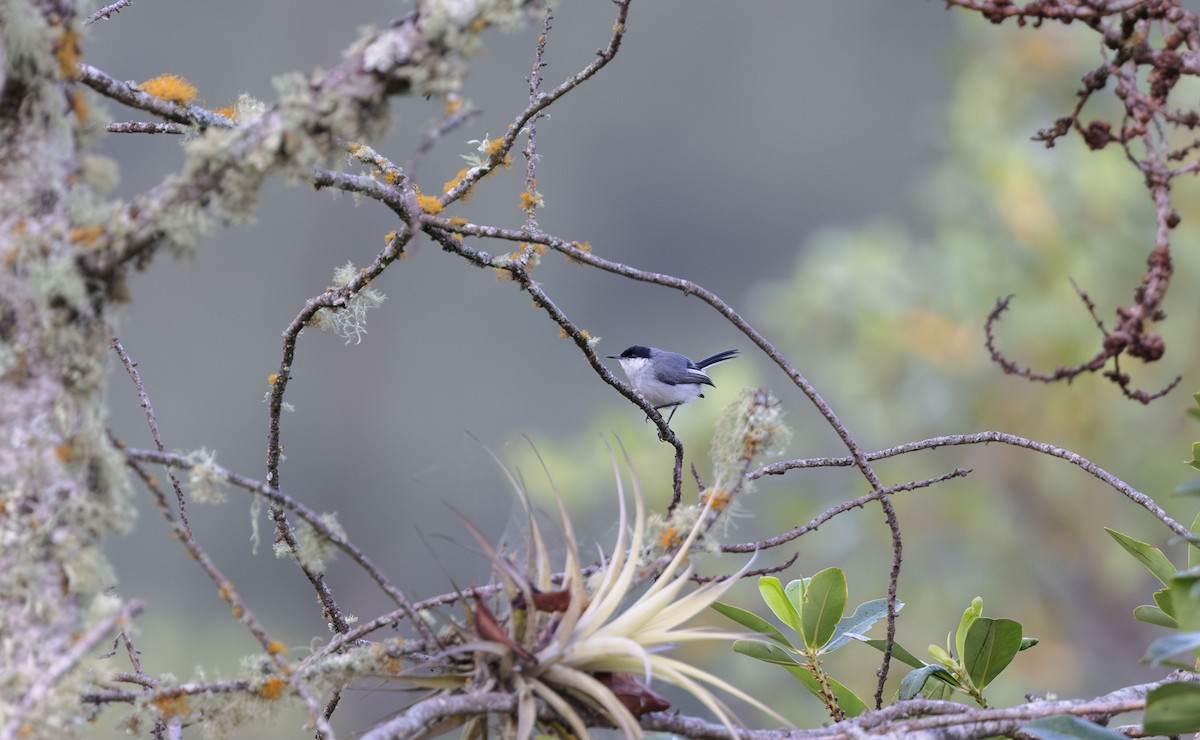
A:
<point x="530" y="199"/>
<point x="229" y="111"/>
<point x="491" y="147"/>
<point x="458" y="220"/>
<point x="272" y="688"/>
<point x="451" y="184"/>
<point x="66" y="49"/>
<point x="582" y="247"/>
<point x="275" y="647"/>
<point x="64" y="452"/>
<point x="453" y="105"/>
<point x="719" y="496"/>
<point x="670" y="538"/>
<point x="79" y="105"/>
<point x="428" y="203"/>
<point x="170" y="87"/>
<point x="88" y="236"/>
<point x="172" y="705"/>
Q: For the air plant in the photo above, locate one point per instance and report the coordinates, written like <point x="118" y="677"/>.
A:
<point x="587" y="646"/>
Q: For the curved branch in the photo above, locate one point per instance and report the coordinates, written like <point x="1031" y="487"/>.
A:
<point x="1131" y="493"/>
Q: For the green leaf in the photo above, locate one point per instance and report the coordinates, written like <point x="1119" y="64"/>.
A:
<point x="795" y="591"/>
<point x="941" y="656"/>
<point x="752" y="621"/>
<point x="1149" y="556"/>
<point x="1195" y="461"/>
<point x="898" y="653"/>
<point x="1154" y="615"/>
<point x="1028" y="642"/>
<point x="973" y="612"/>
<point x="823" y="605"/>
<point x="1066" y="727"/>
<point x="1165" y="647"/>
<point x="914" y="681"/>
<point x="865" y="615"/>
<point x="1191" y="487"/>
<point x="1185" y="602"/>
<point x="1194" y="550"/>
<point x="851" y="705"/>
<point x="772" y="593"/>
<point x="1172" y="709"/>
<point x="991" y="645"/>
<point x="1162" y="599"/>
<point x="765" y="652"/>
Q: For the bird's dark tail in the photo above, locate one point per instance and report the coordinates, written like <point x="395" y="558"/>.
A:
<point x="728" y="354"/>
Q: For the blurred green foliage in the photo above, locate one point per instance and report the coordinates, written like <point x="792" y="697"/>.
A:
<point x="886" y="318"/>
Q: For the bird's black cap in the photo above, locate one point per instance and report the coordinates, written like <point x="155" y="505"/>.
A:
<point x="636" y="350"/>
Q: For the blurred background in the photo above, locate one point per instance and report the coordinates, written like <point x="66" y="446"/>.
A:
<point x="856" y="178"/>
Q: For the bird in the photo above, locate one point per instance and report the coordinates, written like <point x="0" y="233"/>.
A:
<point x="668" y="378"/>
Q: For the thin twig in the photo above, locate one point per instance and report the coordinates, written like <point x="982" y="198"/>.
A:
<point x="1131" y="493"/>
<point x="144" y="399"/>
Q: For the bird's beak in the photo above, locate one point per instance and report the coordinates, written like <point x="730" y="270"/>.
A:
<point x="613" y="357"/>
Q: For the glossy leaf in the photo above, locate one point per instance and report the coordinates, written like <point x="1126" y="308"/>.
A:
<point x="772" y="593"/>
<point x="765" y="652"/>
<point x="914" y="681"/>
<point x="1028" y="642"/>
<point x="823" y="606"/>
<point x="1194" y="550"/>
<point x="1165" y="647"/>
<point x="1185" y="602"/>
<point x="1068" y="727"/>
<point x="1162" y="599"/>
<point x="941" y="656"/>
<point x="865" y="615"/>
<point x="1148" y="555"/>
<point x="1154" y="615"/>
<point x="991" y="645"/>
<point x="898" y="653"/>
<point x="1172" y="709"/>
<point x="973" y="612"/>
<point x="752" y="621"/>
<point x="795" y="591"/>
<point x="849" y="702"/>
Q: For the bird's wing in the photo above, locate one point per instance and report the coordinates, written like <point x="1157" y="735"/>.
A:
<point x="693" y="375"/>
